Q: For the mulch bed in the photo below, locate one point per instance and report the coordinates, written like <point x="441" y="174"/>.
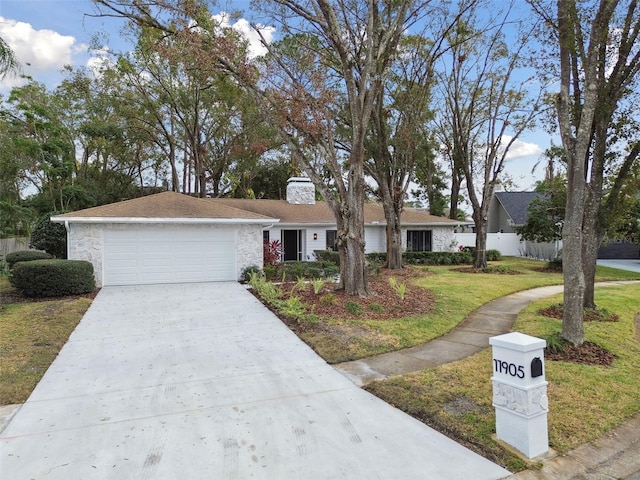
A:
<point x="590" y="315"/>
<point x="383" y="304"/>
<point x="588" y="353"/>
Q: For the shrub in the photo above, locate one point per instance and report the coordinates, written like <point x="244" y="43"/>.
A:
<point x="493" y="255"/>
<point x="353" y="308"/>
<point x="272" y="252"/>
<point x="555" y="264"/>
<point x="50" y="237"/>
<point x="53" y="278"/>
<point x="270" y="271"/>
<point x="376" y="307"/>
<point x="25" y="256"/>
<point x="399" y="288"/>
<point x="329" y="299"/>
<point x="426" y="258"/>
<point x="247" y="272"/>
<point x="327" y="256"/>
<point x="318" y="283"/>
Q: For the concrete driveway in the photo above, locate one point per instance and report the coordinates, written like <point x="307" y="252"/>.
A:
<point x="632" y="265"/>
<point x="201" y="381"/>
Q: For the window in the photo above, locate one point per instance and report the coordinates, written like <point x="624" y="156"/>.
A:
<point x="265" y="236"/>
<point x="418" y="240"/>
<point x="332" y="240"/>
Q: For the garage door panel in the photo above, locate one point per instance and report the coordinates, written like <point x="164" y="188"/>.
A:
<point x="161" y="255"/>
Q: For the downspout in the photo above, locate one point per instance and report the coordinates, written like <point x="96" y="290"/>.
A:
<point x="66" y="227"/>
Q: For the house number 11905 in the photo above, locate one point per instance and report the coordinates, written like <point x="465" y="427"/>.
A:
<point x="507" y="368"/>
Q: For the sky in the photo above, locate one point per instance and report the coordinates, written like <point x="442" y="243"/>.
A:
<point x="46" y="35"/>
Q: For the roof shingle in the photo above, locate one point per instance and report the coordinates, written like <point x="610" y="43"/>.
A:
<point x="166" y="205"/>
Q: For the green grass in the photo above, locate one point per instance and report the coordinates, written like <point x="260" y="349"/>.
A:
<point x="32" y="336"/>
<point x="456" y="295"/>
<point x="585" y="401"/>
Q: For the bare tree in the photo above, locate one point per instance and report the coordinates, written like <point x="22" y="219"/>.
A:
<point x="486" y="106"/>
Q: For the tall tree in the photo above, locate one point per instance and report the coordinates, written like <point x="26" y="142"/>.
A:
<point x="598" y="47"/>
<point x="487" y="105"/>
<point x="355" y="43"/>
<point x="400" y="140"/>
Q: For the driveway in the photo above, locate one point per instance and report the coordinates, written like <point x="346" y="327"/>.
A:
<point x="632" y="265"/>
<point x="198" y="381"/>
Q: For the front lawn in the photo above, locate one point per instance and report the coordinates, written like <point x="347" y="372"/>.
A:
<point x="33" y="332"/>
<point x="450" y="294"/>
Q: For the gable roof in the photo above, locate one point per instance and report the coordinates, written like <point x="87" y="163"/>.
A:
<point x="516" y="204"/>
<point x="320" y="213"/>
<point x="167" y="206"/>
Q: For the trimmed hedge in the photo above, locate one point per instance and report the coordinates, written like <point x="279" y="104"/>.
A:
<point x="25" y="256"/>
<point x="426" y="258"/>
<point x="53" y="278"/>
<point x="329" y="256"/>
<point x="292" y="270"/>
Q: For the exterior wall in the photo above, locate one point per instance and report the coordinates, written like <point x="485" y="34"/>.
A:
<point x="249" y="247"/>
<point x="507" y="243"/>
<point x="498" y="218"/>
<point x="442" y="239"/>
<point x="86" y="242"/>
<point x="376" y="239"/>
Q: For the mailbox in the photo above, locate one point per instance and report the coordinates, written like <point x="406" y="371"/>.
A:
<point x="520" y="392"/>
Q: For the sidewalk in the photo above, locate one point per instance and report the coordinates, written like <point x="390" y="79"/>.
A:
<point x="615" y="456"/>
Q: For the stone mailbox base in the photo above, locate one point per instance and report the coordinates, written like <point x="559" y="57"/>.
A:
<point x="520" y="393"/>
<point x="528" y="435"/>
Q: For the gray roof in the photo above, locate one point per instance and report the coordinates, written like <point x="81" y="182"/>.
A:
<point x="516" y="204"/>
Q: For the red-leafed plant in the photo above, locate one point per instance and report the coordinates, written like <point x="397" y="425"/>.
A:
<point x="272" y="252"/>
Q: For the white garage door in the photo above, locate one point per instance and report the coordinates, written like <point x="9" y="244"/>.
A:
<point x="169" y="255"/>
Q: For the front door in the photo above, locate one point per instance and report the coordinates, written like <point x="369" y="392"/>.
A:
<point x="292" y="244"/>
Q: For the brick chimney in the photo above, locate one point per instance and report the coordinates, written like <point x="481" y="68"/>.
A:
<point x="301" y="191"/>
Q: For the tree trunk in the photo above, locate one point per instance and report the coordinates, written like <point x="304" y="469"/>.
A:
<point x="574" y="282"/>
<point x="480" y="258"/>
<point x="353" y="263"/>
<point x="394" y="239"/>
<point x="455" y="196"/>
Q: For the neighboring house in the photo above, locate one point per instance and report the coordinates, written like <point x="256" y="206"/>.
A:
<point x="171" y="237"/>
<point x="508" y="210"/>
<point x="511" y="209"/>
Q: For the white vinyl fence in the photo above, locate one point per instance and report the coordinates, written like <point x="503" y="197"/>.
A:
<point x="511" y="245"/>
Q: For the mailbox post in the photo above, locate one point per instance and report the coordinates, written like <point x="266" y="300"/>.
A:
<point x="520" y="392"/>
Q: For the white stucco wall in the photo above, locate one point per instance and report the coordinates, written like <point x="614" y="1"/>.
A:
<point x="249" y="247"/>
<point x="85" y="241"/>
<point x="442" y="239"/>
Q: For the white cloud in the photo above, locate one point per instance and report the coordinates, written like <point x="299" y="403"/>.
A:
<point x="520" y="148"/>
<point x="39" y="51"/>
<point x="242" y="26"/>
<point x="99" y="61"/>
